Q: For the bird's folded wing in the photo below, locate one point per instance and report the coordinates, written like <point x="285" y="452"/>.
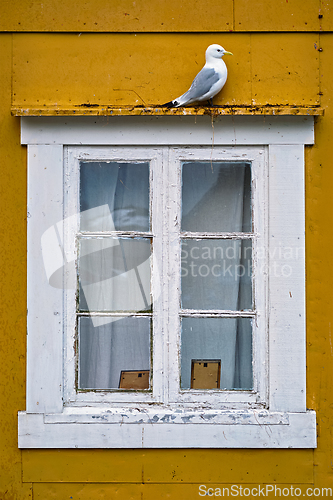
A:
<point x="202" y="83"/>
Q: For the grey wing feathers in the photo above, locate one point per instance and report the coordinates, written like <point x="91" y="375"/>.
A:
<point x="202" y="83"/>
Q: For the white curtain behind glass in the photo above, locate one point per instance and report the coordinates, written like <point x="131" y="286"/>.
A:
<point x="216" y="273"/>
<point x="114" y="272"/>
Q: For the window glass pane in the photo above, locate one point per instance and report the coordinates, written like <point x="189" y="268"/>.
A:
<point x="114" y="196"/>
<point x="114" y="353"/>
<point x="114" y="274"/>
<point x="216" y="274"/>
<point x="216" y="197"/>
<point x="224" y="345"/>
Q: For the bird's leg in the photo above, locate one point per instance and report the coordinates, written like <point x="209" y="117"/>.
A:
<point x="210" y="103"/>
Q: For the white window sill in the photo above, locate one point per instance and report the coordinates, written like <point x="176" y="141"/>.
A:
<point x="168" y="429"/>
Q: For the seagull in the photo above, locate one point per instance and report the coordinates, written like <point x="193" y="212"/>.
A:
<point x="208" y="82"/>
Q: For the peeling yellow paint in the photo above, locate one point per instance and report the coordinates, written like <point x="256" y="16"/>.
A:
<point x="159" y="110"/>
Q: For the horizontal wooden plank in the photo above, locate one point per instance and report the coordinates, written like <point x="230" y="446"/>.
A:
<point x="159" y="466"/>
<point x="97" y="110"/>
<point x="228" y="466"/>
<point x="162" y="468"/>
<point x="277" y="15"/>
<point x="115" y="16"/>
<point x="84" y="491"/>
<point x="34" y="433"/>
<point x="62" y="72"/>
<point x="158" y="416"/>
<point x="163" y="491"/>
<point x="80" y="465"/>
<point x="156" y="16"/>
<point x="185" y="130"/>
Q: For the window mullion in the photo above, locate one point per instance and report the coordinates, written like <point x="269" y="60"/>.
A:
<point x="157" y="200"/>
<point x="172" y="236"/>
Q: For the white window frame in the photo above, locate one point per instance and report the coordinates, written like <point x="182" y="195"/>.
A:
<point x="72" y="157"/>
<point x="166" y="210"/>
<point x="274" y="415"/>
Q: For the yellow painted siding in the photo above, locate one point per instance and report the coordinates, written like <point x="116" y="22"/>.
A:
<point x="319" y="244"/>
<point x="165" y="16"/>
<point x="13" y="284"/>
<point x="63" y="70"/>
<point x="67" y="70"/>
<point x="117" y="15"/>
<point x="119" y="68"/>
<point x="277" y="15"/>
<point x="84" y="491"/>
<point x="168" y="466"/>
<point x="326" y="10"/>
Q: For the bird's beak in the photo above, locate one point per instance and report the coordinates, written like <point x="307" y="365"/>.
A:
<point x="228" y="53"/>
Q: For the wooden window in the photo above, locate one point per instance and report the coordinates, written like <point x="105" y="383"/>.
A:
<point x="146" y="284"/>
<point x="166" y="283"/>
<point x="112" y="208"/>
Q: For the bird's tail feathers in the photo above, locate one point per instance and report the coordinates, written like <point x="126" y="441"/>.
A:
<point x="184" y="99"/>
<point x="168" y="104"/>
<point x="171" y="104"/>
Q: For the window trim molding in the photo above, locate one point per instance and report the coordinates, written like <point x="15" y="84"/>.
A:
<point x="46" y="423"/>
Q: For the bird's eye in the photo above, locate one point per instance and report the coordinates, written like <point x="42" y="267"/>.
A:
<point x="218" y="50"/>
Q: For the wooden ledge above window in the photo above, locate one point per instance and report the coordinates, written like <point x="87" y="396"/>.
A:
<point x="98" y="110"/>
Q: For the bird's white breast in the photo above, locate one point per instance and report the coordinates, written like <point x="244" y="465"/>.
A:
<point x="219" y="66"/>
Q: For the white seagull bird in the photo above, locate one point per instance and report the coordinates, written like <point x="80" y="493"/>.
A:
<point x="208" y="82"/>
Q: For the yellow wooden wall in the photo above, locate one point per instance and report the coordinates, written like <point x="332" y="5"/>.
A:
<point x="60" y="54"/>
